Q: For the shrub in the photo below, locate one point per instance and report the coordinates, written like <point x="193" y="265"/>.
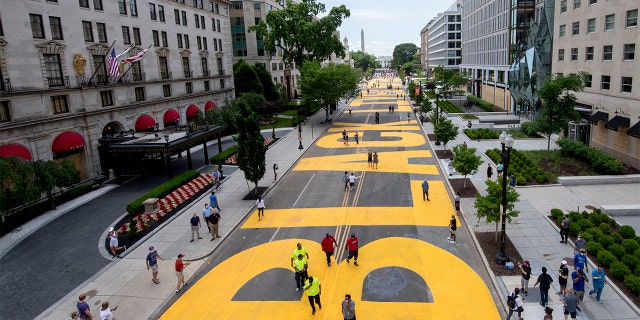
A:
<point x="619" y="270"/>
<point x="604" y="227"/>
<point x="585" y="224"/>
<point x="521" y="181"/>
<point x="541" y="178"/>
<point x="162" y="190"/>
<point x="224" y="155"/>
<point x="598" y="160"/>
<point x="557" y="213"/>
<point x="630" y="245"/>
<point x="606" y="258"/>
<point x="627" y="232"/>
<point x="484" y="105"/>
<point x="594" y="248"/>
<point x="631" y="261"/>
<point x="574" y="229"/>
<point x="595" y="218"/>
<point x="617" y="250"/>
<point x="616" y="238"/>
<point x="529" y="128"/>
<point x="633" y="283"/>
<point x="605" y="240"/>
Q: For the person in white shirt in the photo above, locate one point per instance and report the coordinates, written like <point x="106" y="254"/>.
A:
<point x="260" y="205"/>
<point x="105" y="312"/>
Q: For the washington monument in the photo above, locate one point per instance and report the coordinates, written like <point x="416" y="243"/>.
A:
<point x="362" y="40"/>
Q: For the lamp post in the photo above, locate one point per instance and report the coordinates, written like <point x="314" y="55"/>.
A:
<point x="507" y="142"/>
<point x="300" y="147"/>
<point x="437" y="113"/>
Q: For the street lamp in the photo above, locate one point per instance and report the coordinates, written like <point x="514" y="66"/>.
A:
<point x="507" y="142"/>
<point x="300" y="147"/>
<point x="437" y="113"/>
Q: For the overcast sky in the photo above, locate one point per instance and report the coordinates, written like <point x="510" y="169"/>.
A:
<point x="386" y="23"/>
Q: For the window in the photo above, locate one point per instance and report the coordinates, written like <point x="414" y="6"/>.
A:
<point x="56" y="28"/>
<point x="221" y="83"/>
<point x="574" y="54"/>
<point x="188" y="87"/>
<point x="126" y="37"/>
<point x="236" y="5"/>
<point x="205" y="66"/>
<point x="560" y="54"/>
<point x="100" y="66"/>
<point x="53" y="70"/>
<point x="626" y="84"/>
<point x="593" y="1"/>
<point x="199" y="42"/>
<point x="176" y="15"/>
<point x="609" y="22"/>
<point x="211" y="6"/>
<point x="605" y="82"/>
<point x="587" y="81"/>
<point x="184" y="18"/>
<point x="139" y="91"/>
<point x="59" y="104"/>
<point x="179" y="41"/>
<point x="1" y="31"/>
<point x="163" y="36"/>
<point x="136" y="36"/>
<point x="274" y="66"/>
<point x="632" y="18"/>
<point x="156" y="38"/>
<point x="161" y="13"/>
<point x="563" y="6"/>
<point x="202" y="22"/>
<point x="87" y="30"/>
<point x="577" y="4"/>
<point x="575" y="28"/>
<point x="588" y="53"/>
<point x="164" y="68"/>
<point x="133" y="7"/>
<point x="106" y="98"/>
<point x="281" y="66"/>
<point x="152" y="11"/>
<point x="97" y="4"/>
<point x="37" y="29"/>
<point x="101" y="28"/>
<point x="197" y="18"/>
<point x="207" y="86"/>
<point x="5" y="115"/>
<point x="204" y="43"/>
<point x="186" y="42"/>
<point x="136" y="71"/>
<point x="186" y="67"/>
<point x="591" y="25"/>
<point x="219" y="63"/>
<point x="84" y="3"/>
<point x="166" y="90"/>
<point x="220" y="44"/>
<point x="629" y="51"/>
<point x="563" y="30"/>
<point x="215" y="45"/>
<point x="122" y="6"/>
<point x="607" y="53"/>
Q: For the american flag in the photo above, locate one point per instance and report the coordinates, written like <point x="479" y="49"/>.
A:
<point x="136" y="57"/>
<point x="112" y="62"/>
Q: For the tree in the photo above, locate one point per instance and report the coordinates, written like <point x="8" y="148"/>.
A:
<point x="488" y="206"/>
<point x="301" y="36"/>
<point x="366" y="62"/>
<point x="448" y="79"/>
<point x="402" y="54"/>
<point x="325" y="85"/>
<point x="251" y="155"/>
<point x="445" y="131"/>
<point x="465" y="161"/>
<point x="559" y="103"/>
<point x="245" y="79"/>
<point x="269" y="88"/>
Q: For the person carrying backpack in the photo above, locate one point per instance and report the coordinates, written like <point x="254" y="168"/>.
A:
<point x="545" y="281"/>
<point x="514" y="302"/>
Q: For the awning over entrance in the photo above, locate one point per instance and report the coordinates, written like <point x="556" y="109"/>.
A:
<point x="192" y="110"/>
<point x="170" y="116"/>
<point x="15" y="150"/>
<point x="598" y="116"/>
<point x="616" y="122"/>
<point x="209" y="104"/>
<point x="67" y="141"/>
<point x="145" y="122"/>
<point x="635" y="130"/>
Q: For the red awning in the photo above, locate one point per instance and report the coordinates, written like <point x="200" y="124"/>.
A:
<point x="67" y="141"/>
<point x="192" y="110"/>
<point x="145" y="122"/>
<point x="15" y="150"/>
<point x="209" y="105"/>
<point x="170" y="116"/>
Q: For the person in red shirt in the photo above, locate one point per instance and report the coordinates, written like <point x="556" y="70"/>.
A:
<point x="327" y="246"/>
<point x="352" y="246"/>
<point x="179" y="268"/>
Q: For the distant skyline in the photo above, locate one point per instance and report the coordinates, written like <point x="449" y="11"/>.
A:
<point x="386" y="23"/>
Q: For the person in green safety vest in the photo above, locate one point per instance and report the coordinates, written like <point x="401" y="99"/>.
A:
<point x="300" y="268"/>
<point x="314" y="289"/>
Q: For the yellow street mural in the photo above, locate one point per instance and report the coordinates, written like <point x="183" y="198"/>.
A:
<point x="397" y="161"/>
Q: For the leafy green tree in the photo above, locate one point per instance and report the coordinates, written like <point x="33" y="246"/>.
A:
<point x="297" y="31"/>
<point x="366" y="62"/>
<point x="270" y="92"/>
<point x="245" y="79"/>
<point x="445" y="131"/>
<point x="558" y="103"/>
<point x="465" y="161"/>
<point x="403" y="53"/>
<point x="325" y="85"/>
<point x="488" y="206"/>
<point x="449" y="79"/>
<point x="251" y="155"/>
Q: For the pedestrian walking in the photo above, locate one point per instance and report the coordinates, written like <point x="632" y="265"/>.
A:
<point x="216" y="178"/>
<point x="195" y="226"/>
<point x="300" y="266"/>
<point x="356" y="137"/>
<point x="563" y="275"/>
<point x="456" y="202"/>
<point x="545" y="281"/>
<point x="84" y="311"/>
<point x="180" y="265"/>
<point x="105" y="311"/>
<point x="580" y="260"/>
<point x="152" y="263"/>
<point x="580" y="244"/>
<point x="275" y="171"/>
<point x="215" y="223"/>
<point x="213" y="201"/>
<point x="352" y="181"/>
<point x="206" y="216"/>
<point x="570" y="303"/>
<point x="345" y="179"/>
<point x="512" y="181"/>
<point x="300" y="249"/>
<point x="452" y="229"/>
<point x="564" y="228"/>
<point x="548" y="313"/>
<point x="390" y="108"/>
<point x="260" y="205"/>
<point x="408" y="117"/>
<point x="327" y="245"/>
<point x="425" y="190"/>
<point x="113" y="243"/>
<point x="393" y="109"/>
<point x="348" y="308"/>
<point x="397" y="96"/>
<point x="375" y="159"/>
<point x="314" y="289"/>
<point x="500" y="166"/>
<point x="349" y="110"/>
<point x="525" y="269"/>
<point x="489" y="171"/>
<point x="514" y="302"/>
<point x="377" y="117"/>
<point x="352" y="246"/>
<point x="579" y="278"/>
<point x="370" y="158"/>
<point x="597" y="275"/>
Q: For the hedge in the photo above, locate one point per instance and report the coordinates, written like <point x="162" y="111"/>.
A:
<point x="449" y="107"/>
<point x="162" y="190"/>
<point x="484" y="105"/>
<point x="633" y="283"/>
<point x="484" y="133"/>
<point x="224" y="155"/>
<point x="521" y="166"/>
<point x="598" y="160"/>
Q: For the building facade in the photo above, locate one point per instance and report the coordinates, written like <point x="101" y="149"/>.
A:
<point x="444" y="44"/>
<point x="600" y="37"/>
<point x="59" y="96"/>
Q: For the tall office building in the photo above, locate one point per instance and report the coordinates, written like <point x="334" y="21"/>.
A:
<point x="59" y="96"/>
<point x="443" y="40"/>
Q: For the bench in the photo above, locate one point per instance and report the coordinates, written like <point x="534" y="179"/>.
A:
<point x="621" y="209"/>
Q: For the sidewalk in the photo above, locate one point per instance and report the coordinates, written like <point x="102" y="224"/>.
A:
<point x="127" y="284"/>
<point x="536" y="238"/>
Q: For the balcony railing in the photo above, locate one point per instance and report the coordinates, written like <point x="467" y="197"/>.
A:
<point x="165" y="75"/>
<point x="188" y="73"/>
<point x="58" y="82"/>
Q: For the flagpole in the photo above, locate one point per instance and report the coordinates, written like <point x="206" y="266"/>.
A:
<point x="131" y="66"/>
<point x="101" y="63"/>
